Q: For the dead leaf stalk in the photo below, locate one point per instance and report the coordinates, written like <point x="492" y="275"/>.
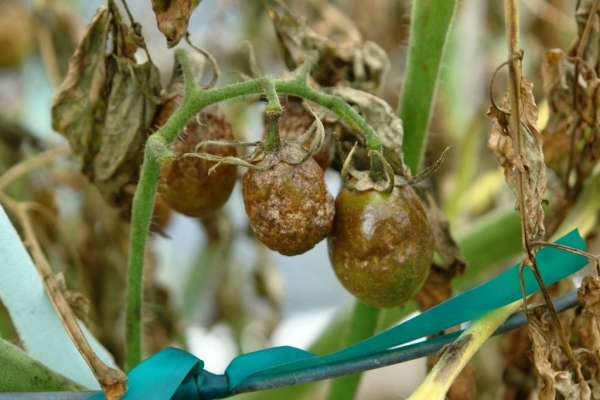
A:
<point x="511" y="8"/>
<point x="112" y="381"/>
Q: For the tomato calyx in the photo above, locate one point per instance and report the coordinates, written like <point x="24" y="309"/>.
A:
<point x="382" y="176"/>
<point x="273" y="149"/>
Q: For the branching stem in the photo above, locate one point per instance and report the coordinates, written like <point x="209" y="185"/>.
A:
<point x="157" y="152"/>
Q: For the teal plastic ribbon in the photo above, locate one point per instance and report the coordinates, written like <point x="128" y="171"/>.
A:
<point x="554" y="265"/>
<point x="170" y="374"/>
<point x="175" y="374"/>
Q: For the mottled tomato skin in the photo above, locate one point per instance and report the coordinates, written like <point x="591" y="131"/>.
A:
<point x="381" y="245"/>
<point x="289" y="206"/>
<point x="185" y="183"/>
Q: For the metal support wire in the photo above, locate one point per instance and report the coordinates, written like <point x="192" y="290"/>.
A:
<point x="391" y="356"/>
<point x="377" y="360"/>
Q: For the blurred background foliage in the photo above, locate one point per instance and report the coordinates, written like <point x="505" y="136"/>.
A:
<point x="211" y="288"/>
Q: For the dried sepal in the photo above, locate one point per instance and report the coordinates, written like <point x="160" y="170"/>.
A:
<point x="361" y="181"/>
<point x="310" y="125"/>
<point x="381" y="115"/>
<point x="427" y="172"/>
<point x="261" y="158"/>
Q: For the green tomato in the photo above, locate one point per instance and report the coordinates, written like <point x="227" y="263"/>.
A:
<point x="381" y="245"/>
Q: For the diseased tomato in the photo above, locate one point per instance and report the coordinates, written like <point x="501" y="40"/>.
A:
<point x="289" y="206"/>
<point x="185" y="182"/>
<point x="381" y="245"/>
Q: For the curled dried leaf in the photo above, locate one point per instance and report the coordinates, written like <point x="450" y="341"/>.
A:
<point x="571" y="84"/>
<point x="530" y="165"/>
<point x="585" y="327"/>
<point x="79" y="101"/>
<point x="130" y="111"/>
<point x="106" y="105"/>
<point x="540" y="353"/>
<point x="345" y="59"/>
<point x="172" y="18"/>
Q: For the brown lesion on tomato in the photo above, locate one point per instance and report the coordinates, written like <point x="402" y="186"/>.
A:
<point x="185" y="183"/>
<point x="289" y="206"/>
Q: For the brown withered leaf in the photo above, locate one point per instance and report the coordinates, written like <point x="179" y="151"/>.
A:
<point x="591" y="54"/>
<point x="173" y="17"/>
<point x="590" y="367"/>
<point x="569" y="389"/>
<point x="449" y="261"/>
<point x="585" y="327"/>
<point x="557" y="79"/>
<point x="130" y="111"/>
<point x="106" y="105"/>
<point x="571" y="138"/>
<point x="540" y="353"/>
<point x="503" y="144"/>
<point x="78" y="105"/>
<point x="345" y="58"/>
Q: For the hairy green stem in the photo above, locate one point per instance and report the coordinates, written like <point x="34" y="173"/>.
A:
<point x="143" y="204"/>
<point x="298" y="87"/>
<point x="272" y="114"/>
